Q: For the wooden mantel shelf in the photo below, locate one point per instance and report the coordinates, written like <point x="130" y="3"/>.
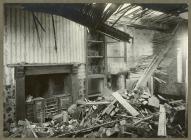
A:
<point x="37" y="69"/>
<point x="41" y="64"/>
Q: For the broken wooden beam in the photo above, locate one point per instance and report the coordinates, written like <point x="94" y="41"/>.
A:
<point x="152" y="67"/>
<point x="144" y="119"/>
<point x="125" y="104"/>
<point x="96" y="103"/>
<point x="29" y="126"/>
<point x="159" y="80"/>
<point x="162" y="122"/>
<point x="109" y="107"/>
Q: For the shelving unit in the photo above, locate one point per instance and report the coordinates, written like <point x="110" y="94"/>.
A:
<point x="95" y="64"/>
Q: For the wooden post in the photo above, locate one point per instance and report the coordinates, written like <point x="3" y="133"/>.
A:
<point x="125" y="45"/>
<point x="74" y="83"/>
<point x="20" y="94"/>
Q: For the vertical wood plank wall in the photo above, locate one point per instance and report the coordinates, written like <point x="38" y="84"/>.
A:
<point x="21" y="43"/>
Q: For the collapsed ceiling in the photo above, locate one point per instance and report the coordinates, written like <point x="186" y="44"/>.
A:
<point x="104" y="17"/>
<point x="159" y="17"/>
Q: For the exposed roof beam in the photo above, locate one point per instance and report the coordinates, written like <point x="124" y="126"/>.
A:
<point x="140" y="24"/>
<point x="84" y="14"/>
<point x="112" y="8"/>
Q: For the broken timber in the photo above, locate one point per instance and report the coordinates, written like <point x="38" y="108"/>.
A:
<point x="152" y="67"/>
<point x="162" y="122"/>
<point x="125" y="104"/>
<point x="87" y="129"/>
<point x="155" y="63"/>
<point x="29" y="126"/>
<point x="147" y="73"/>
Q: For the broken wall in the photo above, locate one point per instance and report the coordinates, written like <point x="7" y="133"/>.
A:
<point x="174" y="64"/>
<point x="24" y="43"/>
<point x="140" y="47"/>
<point x="143" y="47"/>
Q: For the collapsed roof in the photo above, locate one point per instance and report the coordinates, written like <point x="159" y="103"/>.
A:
<point x="104" y="17"/>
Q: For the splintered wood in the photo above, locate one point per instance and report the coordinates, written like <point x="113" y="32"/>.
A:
<point x="162" y="122"/>
<point x="152" y="67"/>
<point x="125" y="104"/>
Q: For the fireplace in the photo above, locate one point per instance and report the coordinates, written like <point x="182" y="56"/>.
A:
<point x="44" y="80"/>
<point x="47" y="85"/>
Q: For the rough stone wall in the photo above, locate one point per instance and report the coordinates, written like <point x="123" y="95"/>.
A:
<point x="9" y="105"/>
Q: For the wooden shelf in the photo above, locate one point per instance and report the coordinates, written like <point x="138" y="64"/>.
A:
<point x="94" y="95"/>
<point x="95" y="41"/>
<point x="91" y="76"/>
<point x="95" y="56"/>
<point x="115" y="57"/>
<point x="112" y="41"/>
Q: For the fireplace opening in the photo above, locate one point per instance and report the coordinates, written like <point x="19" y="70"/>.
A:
<point x="46" y="85"/>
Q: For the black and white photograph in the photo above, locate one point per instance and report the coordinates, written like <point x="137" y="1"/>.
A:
<point x="95" y="70"/>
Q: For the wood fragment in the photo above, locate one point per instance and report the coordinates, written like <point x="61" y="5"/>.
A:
<point x="87" y="129"/>
<point x="176" y="101"/>
<point x="97" y="103"/>
<point x="108" y="107"/>
<point x="162" y="122"/>
<point x="144" y="119"/>
<point x="153" y="101"/>
<point x="159" y="80"/>
<point x="125" y="104"/>
<point x="29" y="126"/>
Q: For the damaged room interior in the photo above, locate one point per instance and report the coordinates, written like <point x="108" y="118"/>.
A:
<point x="95" y="70"/>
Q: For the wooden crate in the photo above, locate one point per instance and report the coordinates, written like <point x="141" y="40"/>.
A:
<point x="64" y="102"/>
<point x="40" y="108"/>
<point x="51" y="106"/>
<point x="35" y="110"/>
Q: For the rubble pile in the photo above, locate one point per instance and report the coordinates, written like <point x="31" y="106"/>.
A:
<point x="128" y="114"/>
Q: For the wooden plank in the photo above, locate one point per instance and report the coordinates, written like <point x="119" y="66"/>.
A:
<point x="125" y="104"/>
<point x="75" y="86"/>
<point x="47" y="70"/>
<point x="41" y="64"/>
<point x="94" y="95"/>
<point x="29" y="126"/>
<point x="125" y="45"/>
<point x="151" y="86"/>
<point x="159" y="80"/>
<point x="95" y="56"/>
<point x="96" y="76"/>
<point x="152" y="67"/>
<point x="96" y="103"/>
<point x="95" y="41"/>
<point x="108" y="107"/>
<point x="162" y="122"/>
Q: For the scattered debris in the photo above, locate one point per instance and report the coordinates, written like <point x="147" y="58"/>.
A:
<point x="134" y="113"/>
